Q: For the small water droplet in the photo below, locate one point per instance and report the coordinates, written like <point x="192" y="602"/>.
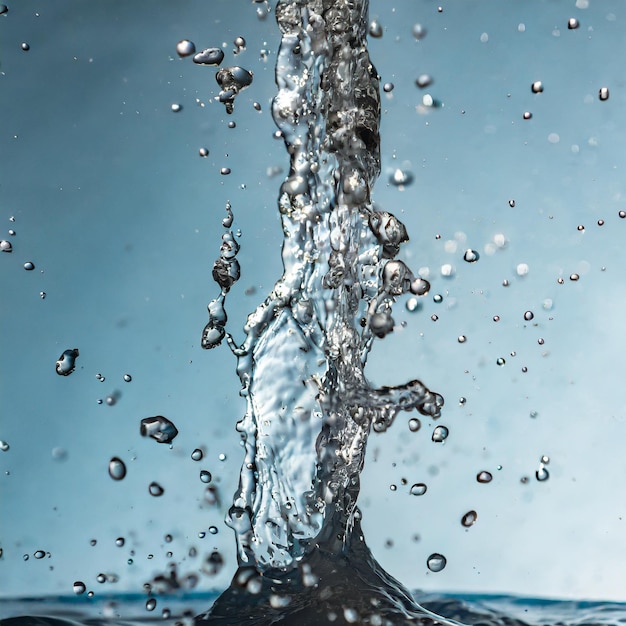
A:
<point x="469" y="519"/>
<point x="5" y="246"/>
<point x="25" y="557"/>
<point x="127" y="378"/>
<point x="462" y="401"/>
<point x="213" y="530"/>
<point x="574" y="277"/>
<point x="600" y="222"/>
<point x="119" y="542"/>
<point x="185" y="48"/>
<point x="101" y="578"/>
<point x="376" y="29"/>
<point x="29" y="266"/>
<point x="436" y="562"/>
<point x="537" y="87"/>
<point x="176" y="107"/>
<point x="155" y="489"/>
<point x="545" y="459"/>
<point x="151" y="604"/>
<point x="197" y="454"/>
<point x="93" y="542"/>
<point x="240" y="44"/>
<point x="542" y="474"/>
<point x="528" y="315"/>
<point x="388" y="87"/>
<point x="462" y="339"/>
<point x="209" y="56"/>
<point x="527" y="115"/>
<point x="225" y="171"/>
<point x="400" y="178"/>
<point x="424" y="80"/>
<point x="496" y="318"/>
<point x="25" y="47"/>
<point x="4" y="446"/>
<point x="414" y="424"/>
<point x="158" y="428"/>
<point x="393" y="487"/>
<point x="205" y="476"/>
<point x="39" y="554"/>
<point x="412" y="305"/>
<point x="438" y="298"/>
<point x="257" y="106"/>
<point x="66" y="363"/>
<point x="484" y="477"/>
<point x="42" y="295"/>
<point x="222" y="457"/>
<point x="471" y="256"/>
<point x="79" y="587"/>
<point x="418" y="489"/>
<point x="622" y="214"/>
<point x="511" y="203"/>
<point x="440" y="433"/>
<point x="500" y="361"/>
<point x="603" y="94"/>
<point x="166" y="613"/>
<point x="419" y="31"/>
<point x="3" y="9"/>
<point x="573" y="23"/>
<point x="117" y="469"/>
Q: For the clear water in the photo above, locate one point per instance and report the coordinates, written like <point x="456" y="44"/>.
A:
<point x="310" y="409"/>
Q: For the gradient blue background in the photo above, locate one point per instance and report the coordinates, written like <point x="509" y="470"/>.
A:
<point x="122" y="219"/>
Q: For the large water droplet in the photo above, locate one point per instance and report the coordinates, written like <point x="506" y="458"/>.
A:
<point x="418" y="489"/>
<point x="209" y="56"/>
<point x="158" y="428"/>
<point x="232" y="80"/>
<point x="436" y="562"/>
<point x="66" y="363"/>
<point x="117" y="469"/>
<point x="469" y="518"/>
<point x="155" y="489"/>
<point x="185" y="48"/>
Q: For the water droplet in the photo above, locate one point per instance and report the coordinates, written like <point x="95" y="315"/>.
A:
<point x="438" y="298"/>
<point x="528" y="315"/>
<point x="203" y="152"/>
<point x="496" y="318"/>
<point x="213" y="530"/>
<point x="3" y="9"/>
<point x="419" y="31"/>
<point x="388" y="87"/>
<point x="185" y="48"/>
<point x="527" y="115"/>
<point x="39" y="554"/>
<point x="376" y="29"/>
<point x="231" y="81"/>
<point x="603" y="93"/>
<point x="151" y="604"/>
<point x="424" y="80"/>
<point x="484" y="477"/>
<point x="4" y="446"/>
<point x="418" y="489"/>
<point x="257" y="106"/>
<point x="166" y="613"/>
<point x="112" y="399"/>
<point x="500" y="361"/>
<point x="101" y="578"/>
<point x="471" y="256"/>
<point x="542" y="474"/>
<point x="600" y="222"/>
<point x="522" y="269"/>
<point x="232" y="124"/>
<point x="400" y="178"/>
<point x="117" y="469"/>
<point x="59" y="454"/>
<point x="469" y="519"/>
<point x="29" y="266"/>
<point x="537" y="87"/>
<point x="42" y="295"/>
<point x="545" y="459"/>
<point x="240" y="44"/>
<point x="25" y="557"/>
<point x="622" y="214"/>
<point x="79" y="587"/>
<point x="66" y="363"/>
<point x="412" y="305"/>
<point x="127" y="378"/>
<point x="155" y="489"/>
<point x="209" y="56"/>
<point x="524" y="480"/>
<point x="462" y="339"/>
<point x="158" y="428"/>
<point x="447" y="270"/>
<point x="197" y="454"/>
<point x="573" y="23"/>
<point x="225" y="171"/>
<point x="574" y="277"/>
<point x="440" y="433"/>
<point x="119" y="542"/>
<point x="419" y="286"/>
<point x="462" y="401"/>
<point x="25" y="47"/>
<point x="512" y="203"/>
<point x="5" y="246"/>
<point x="222" y="457"/>
<point x="93" y="542"/>
<point x="176" y="107"/>
<point x="436" y="562"/>
<point x="434" y="317"/>
<point x="414" y="424"/>
<point x="205" y="476"/>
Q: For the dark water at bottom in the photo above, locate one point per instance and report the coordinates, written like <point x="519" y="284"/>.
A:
<point x="181" y="610"/>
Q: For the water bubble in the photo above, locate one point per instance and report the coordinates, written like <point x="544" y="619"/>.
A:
<point x="158" y="428"/>
<point x="185" y="48"/>
<point x="414" y="424"/>
<point x="500" y="361"/>
<point x="542" y="474"/>
<point x="119" y="542"/>
<point x="176" y="108"/>
<point x="79" y="587"/>
<point x="484" y="477"/>
<point x="436" y="562"/>
<point x="572" y="23"/>
<point x="25" y="47"/>
<point x="209" y="56"/>
<point x="469" y="519"/>
<point x="461" y="338"/>
<point x="4" y="446"/>
<point x="197" y="455"/>
<point x="117" y="469"/>
<point x="155" y="489"/>
<point x="537" y="87"/>
<point x="151" y="604"/>
<point x="418" y="489"/>
<point x="440" y="433"/>
<point x="424" y="80"/>
<point x="528" y="315"/>
<point x="66" y="363"/>
<point x="29" y="266"/>
<point x="388" y="87"/>
<point x="39" y="554"/>
<point x="603" y="93"/>
<point x="400" y="178"/>
<point x="205" y="476"/>
<point x="527" y="115"/>
<point x="375" y="29"/>
<point x="471" y="256"/>
<point x="419" y="31"/>
<point x="5" y="246"/>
